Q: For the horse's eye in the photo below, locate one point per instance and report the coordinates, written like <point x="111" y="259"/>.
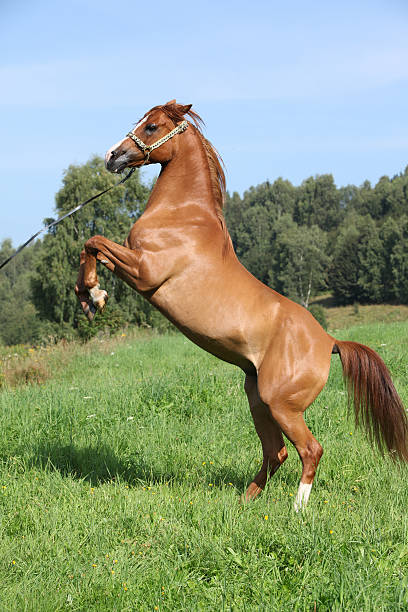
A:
<point x="150" y="127"/>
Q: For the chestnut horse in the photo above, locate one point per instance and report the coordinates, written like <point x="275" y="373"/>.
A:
<point x="179" y="256"/>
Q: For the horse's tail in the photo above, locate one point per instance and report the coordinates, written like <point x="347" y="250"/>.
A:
<point x="377" y="405"/>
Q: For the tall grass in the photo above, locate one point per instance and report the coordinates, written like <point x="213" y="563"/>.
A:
<point x="120" y="480"/>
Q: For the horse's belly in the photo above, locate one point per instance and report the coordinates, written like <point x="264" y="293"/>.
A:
<point x="219" y="328"/>
<point x="228" y="349"/>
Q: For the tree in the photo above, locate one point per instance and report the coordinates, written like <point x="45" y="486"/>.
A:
<point x="318" y="203"/>
<point x="254" y="249"/>
<point x="395" y="273"/>
<point x="111" y="215"/>
<point x="19" y="321"/>
<point x="364" y="202"/>
<point x="391" y="235"/>
<point x="358" y="261"/>
<point x="301" y="260"/>
<point x="251" y="223"/>
<point x="282" y="198"/>
<point x="371" y="262"/>
<point x="349" y="197"/>
<point x="234" y="211"/>
<point x="344" y="270"/>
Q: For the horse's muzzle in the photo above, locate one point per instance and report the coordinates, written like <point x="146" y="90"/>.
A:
<point x="117" y="163"/>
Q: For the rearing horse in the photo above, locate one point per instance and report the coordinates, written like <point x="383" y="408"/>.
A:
<point x="179" y="256"/>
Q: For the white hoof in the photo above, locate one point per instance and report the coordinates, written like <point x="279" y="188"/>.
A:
<point x="302" y="496"/>
<point x="99" y="297"/>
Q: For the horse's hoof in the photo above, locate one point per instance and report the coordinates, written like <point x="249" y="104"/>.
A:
<point x="99" y="298"/>
<point x="90" y="311"/>
<point x="252" y="491"/>
<point x="100" y="303"/>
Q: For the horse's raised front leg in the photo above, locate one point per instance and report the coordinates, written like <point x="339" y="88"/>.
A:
<point x="118" y="259"/>
<point x="87" y="286"/>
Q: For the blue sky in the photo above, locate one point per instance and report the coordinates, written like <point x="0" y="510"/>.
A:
<point x="289" y="89"/>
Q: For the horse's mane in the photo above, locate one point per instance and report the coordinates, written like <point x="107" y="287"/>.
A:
<point x="177" y="112"/>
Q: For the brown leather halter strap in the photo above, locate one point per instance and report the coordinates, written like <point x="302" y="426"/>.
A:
<point x="147" y="149"/>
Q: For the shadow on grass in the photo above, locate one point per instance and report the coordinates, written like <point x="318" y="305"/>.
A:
<point x="94" y="465"/>
<point x="101" y="465"/>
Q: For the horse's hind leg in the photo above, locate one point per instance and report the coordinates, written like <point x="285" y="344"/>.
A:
<point x="310" y="451"/>
<point x="270" y="434"/>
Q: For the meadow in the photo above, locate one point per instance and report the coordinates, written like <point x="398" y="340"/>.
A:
<point x="121" y="468"/>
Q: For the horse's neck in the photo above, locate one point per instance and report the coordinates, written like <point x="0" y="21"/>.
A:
<point x="186" y="178"/>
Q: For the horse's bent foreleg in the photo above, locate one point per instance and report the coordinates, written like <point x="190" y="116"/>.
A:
<point x="121" y="260"/>
<point x="118" y="259"/>
<point x="87" y="286"/>
<point x="270" y="434"/>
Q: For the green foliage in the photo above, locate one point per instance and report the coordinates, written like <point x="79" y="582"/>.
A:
<point x="110" y="321"/>
<point x="371" y="261"/>
<point x="318" y="203"/>
<point x="251" y="223"/>
<point x="112" y="216"/>
<point x="319" y="314"/>
<point x="343" y="275"/>
<point x="255" y="241"/>
<point x="19" y="321"/>
<point x="300" y="260"/>
<point x="395" y="274"/>
<point x="357" y="269"/>
<point x="387" y="198"/>
<point x="360" y="254"/>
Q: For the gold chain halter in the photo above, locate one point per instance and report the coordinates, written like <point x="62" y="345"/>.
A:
<point x="147" y="149"/>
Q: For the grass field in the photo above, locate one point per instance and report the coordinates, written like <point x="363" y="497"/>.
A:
<point x="339" y="317"/>
<point x="120" y="478"/>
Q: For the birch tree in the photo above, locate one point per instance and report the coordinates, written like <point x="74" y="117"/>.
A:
<point x="301" y="260"/>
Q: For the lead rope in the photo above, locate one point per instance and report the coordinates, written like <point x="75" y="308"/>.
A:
<point x="68" y="214"/>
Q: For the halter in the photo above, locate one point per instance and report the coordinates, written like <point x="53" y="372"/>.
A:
<point x="147" y="149"/>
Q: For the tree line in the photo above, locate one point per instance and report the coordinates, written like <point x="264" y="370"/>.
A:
<point x="351" y="241"/>
<point x="300" y="240"/>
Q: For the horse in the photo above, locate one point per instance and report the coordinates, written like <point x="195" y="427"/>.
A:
<point x="179" y="256"/>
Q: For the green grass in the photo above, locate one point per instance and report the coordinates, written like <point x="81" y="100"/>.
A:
<point x="120" y="480"/>
<point x="339" y="317"/>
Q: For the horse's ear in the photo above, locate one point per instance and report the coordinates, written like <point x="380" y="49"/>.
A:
<point x="185" y="108"/>
<point x="170" y="102"/>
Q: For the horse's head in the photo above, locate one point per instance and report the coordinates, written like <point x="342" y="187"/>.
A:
<point x="151" y="141"/>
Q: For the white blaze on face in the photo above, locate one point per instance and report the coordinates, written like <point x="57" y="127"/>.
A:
<point x="141" y="122"/>
<point x="117" y="145"/>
